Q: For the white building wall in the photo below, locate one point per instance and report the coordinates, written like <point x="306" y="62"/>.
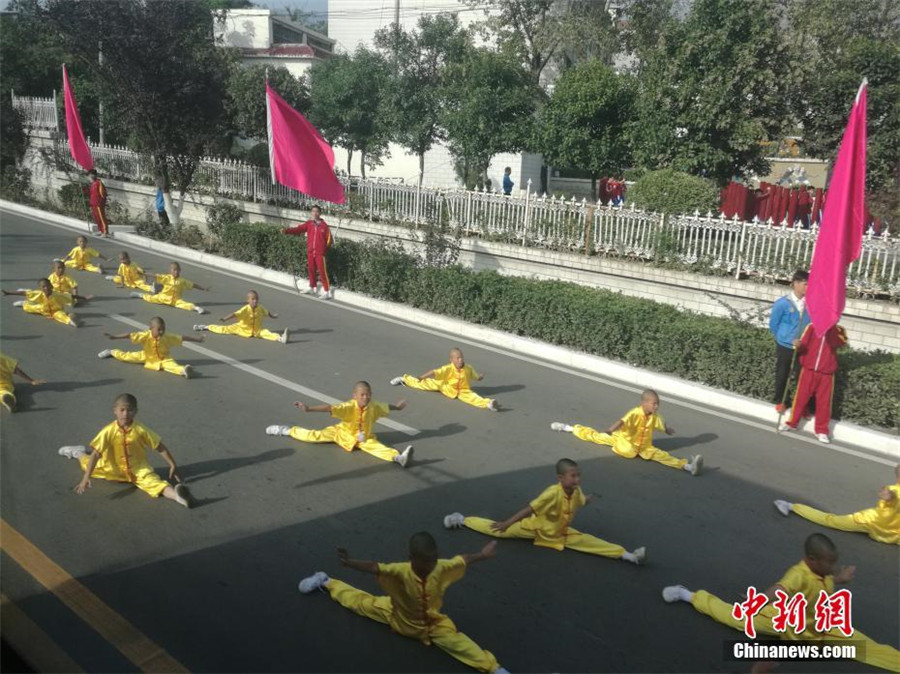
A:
<point x="295" y="66"/>
<point x="248" y="28"/>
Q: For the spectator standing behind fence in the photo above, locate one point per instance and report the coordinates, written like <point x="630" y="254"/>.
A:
<point x="507" y="181"/>
<point x="161" y="206"/>
<point x="98" y="203"/>
<point x="786" y="323"/>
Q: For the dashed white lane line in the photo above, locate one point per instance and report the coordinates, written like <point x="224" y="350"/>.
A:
<point x="268" y="376"/>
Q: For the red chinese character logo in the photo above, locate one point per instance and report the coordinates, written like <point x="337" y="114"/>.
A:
<point x="834" y="612"/>
<point x="791" y="613"/>
<point x="749" y="608"/>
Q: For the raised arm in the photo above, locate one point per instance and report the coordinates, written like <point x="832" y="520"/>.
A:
<point x="303" y="407"/>
<point x="204" y="289"/>
<point x="296" y="230"/>
<point x="34" y="382"/>
<point x="507" y="523"/>
<point x="616" y="426"/>
<point x="23" y="293"/>
<point x="359" y="564"/>
<point x="487" y="552"/>
<point x="227" y="318"/>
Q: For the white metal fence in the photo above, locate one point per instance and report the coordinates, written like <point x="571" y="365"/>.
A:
<point x="710" y="244"/>
<point x="37" y="113"/>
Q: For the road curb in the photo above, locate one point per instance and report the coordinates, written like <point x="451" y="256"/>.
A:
<point x="878" y="442"/>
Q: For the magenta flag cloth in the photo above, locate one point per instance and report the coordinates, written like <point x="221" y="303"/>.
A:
<point x="78" y="147"/>
<point x="840" y="235"/>
<point x="298" y="155"/>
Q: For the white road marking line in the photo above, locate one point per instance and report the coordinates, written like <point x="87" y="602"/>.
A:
<point x="770" y="428"/>
<point x="262" y="374"/>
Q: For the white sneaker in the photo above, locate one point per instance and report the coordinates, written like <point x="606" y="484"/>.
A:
<point x="200" y="310"/>
<point x="823" y="438"/>
<point x="500" y="670"/>
<point x="136" y="294"/>
<point x="188" y="372"/>
<point x="640" y="555"/>
<point x="72" y="452"/>
<point x="22" y="290"/>
<point x="405" y="457"/>
<point x="309" y="291"/>
<point x="674" y="593"/>
<point x="100" y="270"/>
<point x="493" y="406"/>
<point x="284" y="337"/>
<point x="784" y="427"/>
<point x="313" y="582"/>
<point x="200" y="328"/>
<point x="454" y="521"/>
<point x="19" y="303"/>
<point x="106" y="353"/>
<point x="559" y="426"/>
<point x="396" y="381"/>
<point x="72" y="322"/>
<point x="784" y="507"/>
<point x="278" y="430"/>
<point x="327" y="295"/>
<point x="696" y="464"/>
<point x="110" y="278"/>
<point x="182" y="495"/>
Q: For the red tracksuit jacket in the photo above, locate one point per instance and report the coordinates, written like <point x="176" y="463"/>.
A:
<point x="98" y="193"/>
<point x="318" y="236"/>
<point x="819" y="354"/>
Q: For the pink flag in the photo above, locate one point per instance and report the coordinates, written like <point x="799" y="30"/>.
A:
<point x="840" y="235"/>
<point x="78" y="147"/>
<point x="299" y="157"/>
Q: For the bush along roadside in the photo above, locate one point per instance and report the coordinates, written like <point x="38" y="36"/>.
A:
<point x="717" y="352"/>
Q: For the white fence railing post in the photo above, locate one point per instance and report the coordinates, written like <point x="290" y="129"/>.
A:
<point x="527" y="218"/>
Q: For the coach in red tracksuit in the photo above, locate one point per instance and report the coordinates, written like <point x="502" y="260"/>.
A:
<point x="318" y="241"/>
<point x="98" y="202"/>
<point x="818" y="363"/>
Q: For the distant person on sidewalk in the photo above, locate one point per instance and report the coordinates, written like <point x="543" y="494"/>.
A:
<point x="507" y="181"/>
<point x="161" y="207"/>
<point x="318" y="242"/>
<point x="786" y="323"/>
<point x="98" y="203"/>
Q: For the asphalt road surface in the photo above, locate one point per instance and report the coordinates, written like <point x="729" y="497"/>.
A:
<point x="215" y="587"/>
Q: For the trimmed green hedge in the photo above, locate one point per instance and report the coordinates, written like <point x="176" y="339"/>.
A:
<point x="718" y="352"/>
<point x="670" y="191"/>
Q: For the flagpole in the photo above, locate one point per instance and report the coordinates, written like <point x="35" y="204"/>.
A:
<point x="790" y="375"/>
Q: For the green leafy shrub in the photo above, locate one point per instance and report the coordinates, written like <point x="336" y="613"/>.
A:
<point x="670" y="191"/>
<point x="72" y="200"/>
<point x="718" y="352"/>
<point x="221" y="214"/>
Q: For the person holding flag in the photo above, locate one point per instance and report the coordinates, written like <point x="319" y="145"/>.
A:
<point x="98" y="203"/>
<point x="318" y="241"/>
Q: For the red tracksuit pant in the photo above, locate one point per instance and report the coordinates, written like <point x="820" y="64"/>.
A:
<point x="314" y="264"/>
<point x="818" y="385"/>
<point x="99" y="213"/>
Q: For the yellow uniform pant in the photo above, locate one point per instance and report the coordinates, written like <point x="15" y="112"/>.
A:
<point x="87" y="266"/>
<point x="442" y="633"/>
<point x="329" y="434"/>
<point x="241" y="331"/>
<point x="145" y="478"/>
<point x="58" y="316"/>
<point x="139" y="285"/>
<point x="157" y="299"/>
<point x="8" y="396"/>
<point x="872" y="653"/>
<point x="624" y="447"/>
<point x="168" y="364"/>
<point x="574" y="539"/>
<point x="841" y="522"/>
<point x="466" y="395"/>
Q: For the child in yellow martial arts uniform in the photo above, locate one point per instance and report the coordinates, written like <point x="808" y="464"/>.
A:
<point x="415" y="593"/>
<point x="881" y="523"/>
<point x="81" y="257"/>
<point x="173" y="285"/>
<point x="45" y="302"/>
<point x="8" y="367"/>
<point x="357" y="416"/>
<point x="155" y="346"/>
<point x="814" y="573"/>
<point x="64" y="284"/>
<point x="130" y="275"/>
<point x="119" y="453"/>
<point x="250" y="322"/>
<point x="632" y="435"/>
<point x="454" y="380"/>
<point x="547" y="519"/>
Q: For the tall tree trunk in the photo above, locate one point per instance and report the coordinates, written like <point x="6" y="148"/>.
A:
<point x="421" y="168"/>
<point x="163" y="181"/>
<point x="362" y="163"/>
<point x="349" y="160"/>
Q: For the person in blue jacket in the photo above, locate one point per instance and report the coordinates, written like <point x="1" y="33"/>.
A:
<point x="161" y="207"/>
<point x="789" y="317"/>
<point x="507" y="181"/>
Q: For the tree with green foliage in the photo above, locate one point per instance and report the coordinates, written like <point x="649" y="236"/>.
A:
<point x="488" y="108"/>
<point x="161" y="75"/>
<point x="349" y="104"/>
<point x="712" y="88"/>
<point x="32" y="53"/>
<point x="669" y="191"/>
<point x="420" y="59"/>
<point x="245" y="103"/>
<point x="581" y="126"/>
<point x="646" y="21"/>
